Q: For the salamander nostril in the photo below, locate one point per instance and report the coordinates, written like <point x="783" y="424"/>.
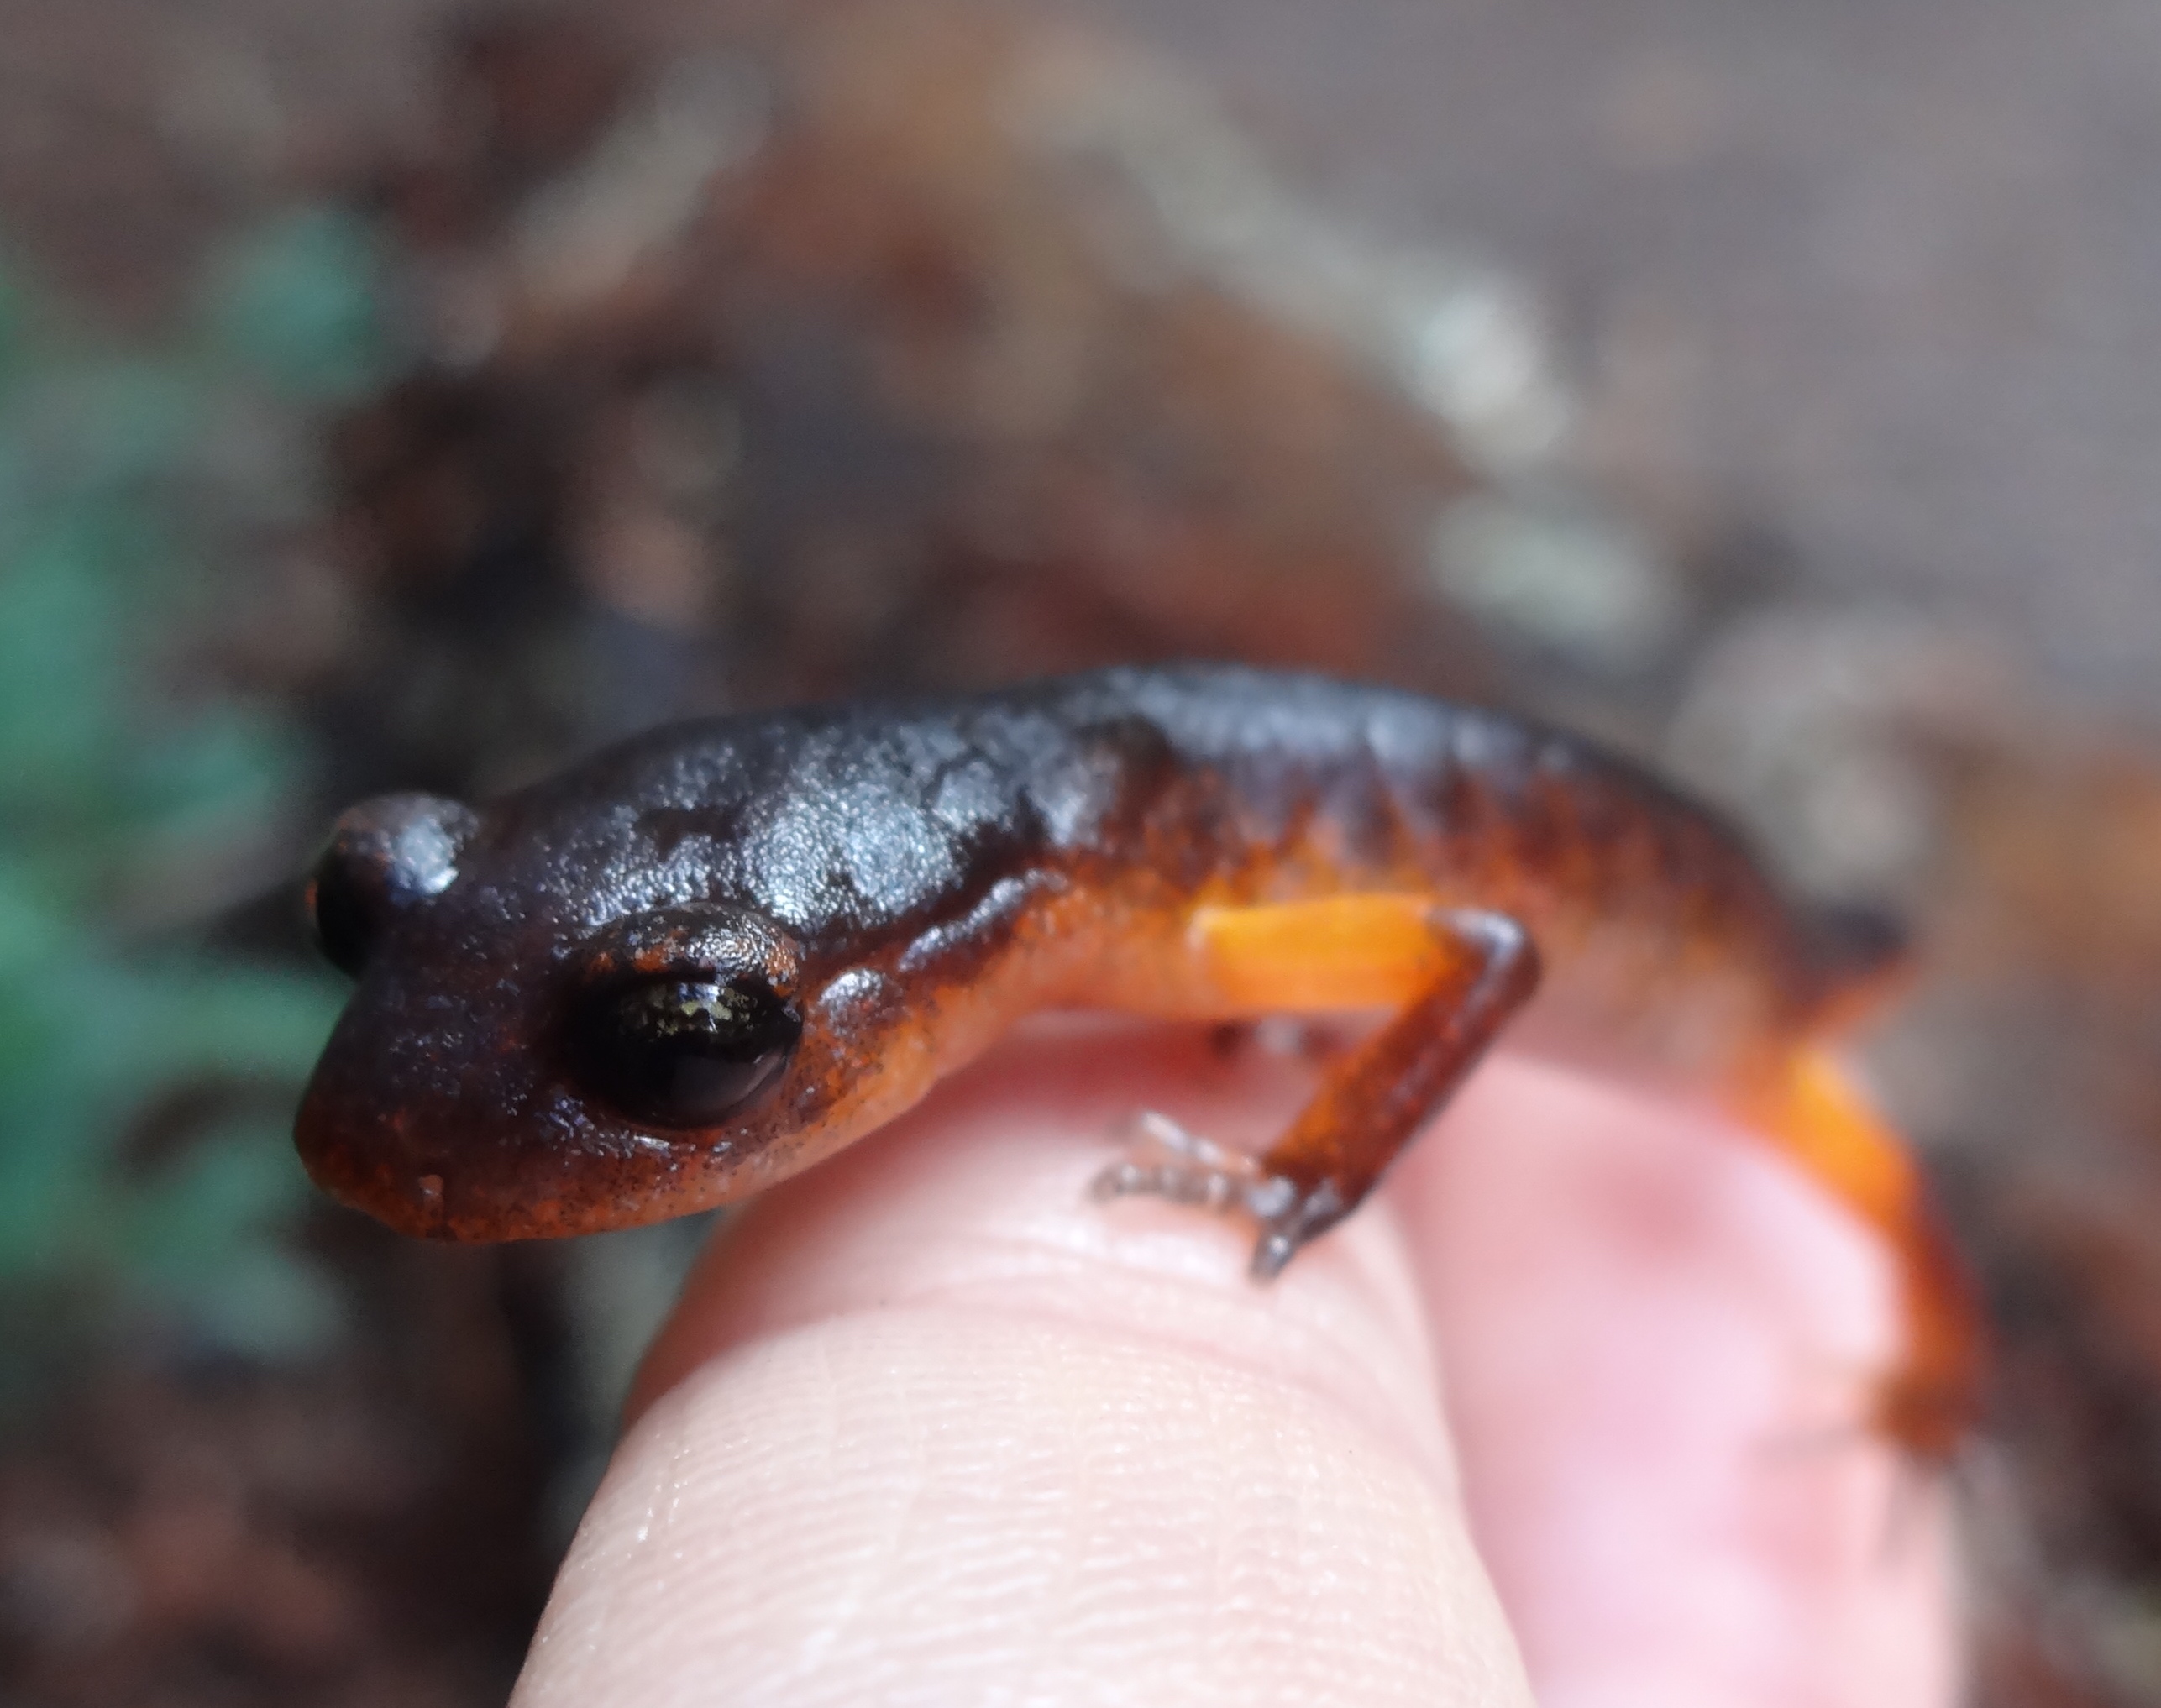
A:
<point x="385" y="855"/>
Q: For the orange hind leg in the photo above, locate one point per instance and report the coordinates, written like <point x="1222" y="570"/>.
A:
<point x="1456" y="978"/>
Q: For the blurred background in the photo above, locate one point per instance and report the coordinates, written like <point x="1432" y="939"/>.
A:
<point x="414" y="395"/>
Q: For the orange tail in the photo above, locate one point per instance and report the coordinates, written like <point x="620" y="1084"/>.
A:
<point x="1821" y="1119"/>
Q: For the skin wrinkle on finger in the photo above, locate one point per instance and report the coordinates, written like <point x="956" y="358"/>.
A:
<point x="1060" y="1518"/>
<point x="1147" y="1480"/>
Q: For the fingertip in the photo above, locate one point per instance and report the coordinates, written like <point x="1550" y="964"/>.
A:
<point x="980" y="1200"/>
<point x="932" y="1415"/>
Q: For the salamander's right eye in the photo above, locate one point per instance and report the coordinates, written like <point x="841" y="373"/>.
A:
<point x="676" y="1051"/>
<point x="385" y="855"/>
<point x="681" y="1018"/>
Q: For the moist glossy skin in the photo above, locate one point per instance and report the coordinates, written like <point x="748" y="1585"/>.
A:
<point x="892" y="885"/>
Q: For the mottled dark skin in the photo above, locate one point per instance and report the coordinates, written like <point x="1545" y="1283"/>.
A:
<point x="902" y="882"/>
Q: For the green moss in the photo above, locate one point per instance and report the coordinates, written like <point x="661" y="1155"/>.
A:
<point x="108" y="777"/>
<point x="295" y="304"/>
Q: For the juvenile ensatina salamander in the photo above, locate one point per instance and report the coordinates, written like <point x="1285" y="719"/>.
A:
<point x="706" y="959"/>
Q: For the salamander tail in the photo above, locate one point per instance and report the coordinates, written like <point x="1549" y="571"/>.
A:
<point x="1819" y="1116"/>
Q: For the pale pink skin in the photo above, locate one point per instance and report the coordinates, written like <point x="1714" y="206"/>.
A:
<point x="929" y="1427"/>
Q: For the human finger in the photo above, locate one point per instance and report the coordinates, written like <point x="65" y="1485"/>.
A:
<point x="930" y="1426"/>
<point x="1663" y="1344"/>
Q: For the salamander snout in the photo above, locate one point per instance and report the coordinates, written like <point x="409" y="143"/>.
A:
<point x="385" y="855"/>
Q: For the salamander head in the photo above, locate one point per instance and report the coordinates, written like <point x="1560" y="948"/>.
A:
<point x="545" y="1042"/>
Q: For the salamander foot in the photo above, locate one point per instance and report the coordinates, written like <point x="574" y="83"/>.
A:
<point x="1165" y="1160"/>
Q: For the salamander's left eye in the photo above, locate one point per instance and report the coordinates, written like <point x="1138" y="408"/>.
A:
<point x="385" y="858"/>
<point x="683" y="1051"/>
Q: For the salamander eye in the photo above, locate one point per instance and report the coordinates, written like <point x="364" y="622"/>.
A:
<point x="683" y="1051"/>
<point x="385" y="855"/>
<point x="338" y="906"/>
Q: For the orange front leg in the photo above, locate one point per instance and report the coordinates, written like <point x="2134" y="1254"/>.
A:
<point x="1466" y="973"/>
